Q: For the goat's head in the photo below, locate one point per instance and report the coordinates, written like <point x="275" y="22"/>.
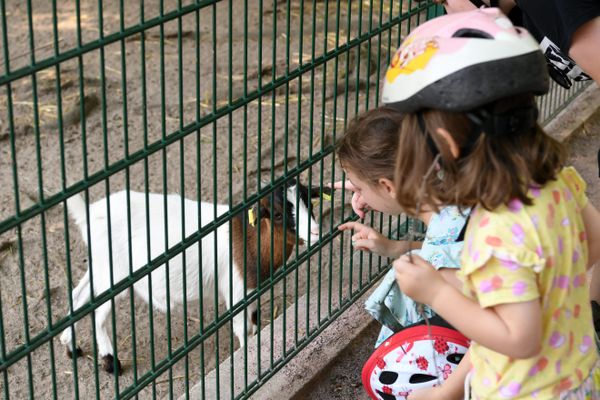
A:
<point x="285" y="218"/>
<point x="289" y="209"/>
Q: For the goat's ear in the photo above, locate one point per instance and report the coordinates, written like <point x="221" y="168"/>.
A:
<point x="252" y="215"/>
<point x="257" y="212"/>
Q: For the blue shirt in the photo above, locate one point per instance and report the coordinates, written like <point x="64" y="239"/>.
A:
<point x="388" y="304"/>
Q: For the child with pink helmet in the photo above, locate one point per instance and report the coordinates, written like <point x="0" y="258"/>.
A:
<point x="467" y="82"/>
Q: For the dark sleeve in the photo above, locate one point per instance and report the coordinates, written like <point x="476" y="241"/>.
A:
<point x="516" y="16"/>
<point x="478" y="3"/>
<point x="557" y="19"/>
<point x="574" y="14"/>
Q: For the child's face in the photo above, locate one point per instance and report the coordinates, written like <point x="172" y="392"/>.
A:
<point x="379" y="196"/>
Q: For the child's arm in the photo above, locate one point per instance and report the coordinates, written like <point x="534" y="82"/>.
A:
<point x="449" y="274"/>
<point x="591" y="218"/>
<point x="513" y="329"/>
<point x="450" y="389"/>
<point x="465" y="5"/>
<point x="366" y="238"/>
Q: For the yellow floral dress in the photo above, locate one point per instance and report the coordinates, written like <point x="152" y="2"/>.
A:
<point x="518" y="253"/>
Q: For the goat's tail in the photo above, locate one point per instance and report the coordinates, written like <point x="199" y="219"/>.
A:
<point x="77" y="211"/>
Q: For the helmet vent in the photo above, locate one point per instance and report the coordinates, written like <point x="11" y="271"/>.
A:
<point x="472" y="33"/>
<point x="454" y="358"/>
<point x="386" y="396"/>
<point x="388" y="377"/>
<point x="421" y="378"/>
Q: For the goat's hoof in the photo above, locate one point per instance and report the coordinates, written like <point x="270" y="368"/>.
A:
<point x="78" y="352"/>
<point x="108" y="363"/>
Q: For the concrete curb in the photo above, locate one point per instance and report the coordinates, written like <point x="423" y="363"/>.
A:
<point x="307" y="365"/>
<point x="573" y="118"/>
<point x="302" y="368"/>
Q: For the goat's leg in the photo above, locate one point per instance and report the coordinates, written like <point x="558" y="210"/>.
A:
<point x="254" y="315"/>
<point x="105" y="348"/>
<point x="80" y="295"/>
<point x="241" y="329"/>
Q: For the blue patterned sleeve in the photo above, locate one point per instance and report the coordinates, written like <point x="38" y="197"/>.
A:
<point x="440" y="247"/>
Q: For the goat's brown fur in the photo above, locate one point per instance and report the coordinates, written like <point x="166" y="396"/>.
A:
<point x="251" y="242"/>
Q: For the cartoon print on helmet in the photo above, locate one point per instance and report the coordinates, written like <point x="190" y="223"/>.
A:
<point x="412" y="359"/>
<point x="446" y="371"/>
<point x="411" y="57"/>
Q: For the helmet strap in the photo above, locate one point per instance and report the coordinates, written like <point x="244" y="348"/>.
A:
<point x="430" y="143"/>
<point x="507" y="123"/>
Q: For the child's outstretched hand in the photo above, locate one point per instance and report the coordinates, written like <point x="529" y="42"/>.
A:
<point x="359" y="205"/>
<point x="420" y="281"/>
<point x="366" y="238"/>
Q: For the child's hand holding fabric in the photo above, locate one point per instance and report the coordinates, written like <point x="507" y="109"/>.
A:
<point x="419" y="280"/>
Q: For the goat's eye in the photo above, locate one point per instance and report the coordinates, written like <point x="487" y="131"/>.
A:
<point x="278" y="216"/>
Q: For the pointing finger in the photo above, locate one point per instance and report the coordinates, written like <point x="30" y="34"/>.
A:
<point x="343" y="185"/>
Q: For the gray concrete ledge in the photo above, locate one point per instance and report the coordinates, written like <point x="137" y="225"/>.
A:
<point x="572" y="120"/>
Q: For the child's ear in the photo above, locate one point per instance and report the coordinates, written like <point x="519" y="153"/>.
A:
<point x="388" y="186"/>
<point x="446" y="136"/>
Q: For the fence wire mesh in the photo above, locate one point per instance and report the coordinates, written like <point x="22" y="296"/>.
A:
<point x="222" y="103"/>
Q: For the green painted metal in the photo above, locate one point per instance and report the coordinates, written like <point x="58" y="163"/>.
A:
<point x="173" y="119"/>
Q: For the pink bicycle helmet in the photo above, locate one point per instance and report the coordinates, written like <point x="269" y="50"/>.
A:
<point x="461" y="61"/>
<point x="412" y="359"/>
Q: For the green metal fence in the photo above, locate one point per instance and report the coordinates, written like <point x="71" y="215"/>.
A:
<point x="218" y="101"/>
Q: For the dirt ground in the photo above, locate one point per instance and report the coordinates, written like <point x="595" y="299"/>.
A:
<point x="134" y="101"/>
<point x="583" y="153"/>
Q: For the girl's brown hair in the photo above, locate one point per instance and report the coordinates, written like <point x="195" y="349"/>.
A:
<point x="495" y="170"/>
<point x="370" y="143"/>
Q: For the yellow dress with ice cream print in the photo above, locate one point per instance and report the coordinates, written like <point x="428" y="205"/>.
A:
<point x="519" y="253"/>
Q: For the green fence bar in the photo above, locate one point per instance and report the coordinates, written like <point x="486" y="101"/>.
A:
<point x="205" y="116"/>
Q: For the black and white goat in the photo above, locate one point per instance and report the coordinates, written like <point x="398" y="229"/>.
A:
<point x="270" y="215"/>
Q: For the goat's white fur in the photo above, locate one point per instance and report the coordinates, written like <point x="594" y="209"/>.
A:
<point x="215" y="255"/>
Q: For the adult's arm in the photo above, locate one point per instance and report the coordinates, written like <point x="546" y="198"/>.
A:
<point x="466" y="5"/>
<point x="584" y="48"/>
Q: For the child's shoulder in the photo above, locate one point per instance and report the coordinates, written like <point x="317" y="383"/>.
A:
<point x="502" y="216"/>
<point x="568" y="186"/>
<point x="450" y="215"/>
<point x="511" y="232"/>
<point x="570" y="177"/>
<point x="506" y="233"/>
<point x="447" y="224"/>
<point x="453" y="212"/>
